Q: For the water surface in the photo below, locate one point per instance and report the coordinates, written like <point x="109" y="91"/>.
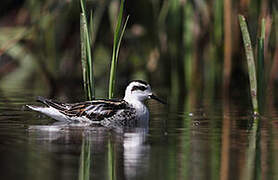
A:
<point x="216" y="139"/>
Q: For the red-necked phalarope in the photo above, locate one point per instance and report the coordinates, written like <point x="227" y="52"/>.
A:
<point x="123" y="112"/>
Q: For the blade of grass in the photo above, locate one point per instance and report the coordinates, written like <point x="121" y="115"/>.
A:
<point x="90" y="90"/>
<point x="121" y="37"/>
<point x="82" y="6"/>
<point x="252" y="154"/>
<point x="91" y="28"/>
<point x="96" y="18"/>
<point x="90" y="66"/>
<point x="260" y="65"/>
<point x="250" y="62"/>
<point x="227" y="45"/>
<point x="85" y="160"/>
<point x="116" y="46"/>
<point x="83" y="54"/>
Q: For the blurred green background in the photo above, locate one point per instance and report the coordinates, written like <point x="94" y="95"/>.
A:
<point x="190" y="51"/>
<point x="181" y="47"/>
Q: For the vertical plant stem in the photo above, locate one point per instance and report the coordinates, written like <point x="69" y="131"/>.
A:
<point x="85" y="160"/>
<point x="250" y="62"/>
<point x="251" y="152"/>
<point x="116" y="46"/>
<point x="111" y="168"/>
<point x="91" y="29"/>
<point x="188" y="41"/>
<point x="260" y="66"/>
<point x="86" y="41"/>
<point x="218" y="22"/>
<point x="227" y="45"/>
<point x="83" y="54"/>
<point x="225" y="138"/>
<point x="96" y="18"/>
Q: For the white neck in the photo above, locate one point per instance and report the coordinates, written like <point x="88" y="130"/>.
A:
<point x="141" y="109"/>
<point x="134" y="102"/>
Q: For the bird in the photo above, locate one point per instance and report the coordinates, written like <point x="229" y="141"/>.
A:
<point x="129" y="111"/>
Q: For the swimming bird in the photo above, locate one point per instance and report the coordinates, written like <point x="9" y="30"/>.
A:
<point x="129" y="111"/>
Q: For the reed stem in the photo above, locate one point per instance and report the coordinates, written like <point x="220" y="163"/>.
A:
<point x="83" y="54"/>
<point x="86" y="54"/>
<point x="250" y="62"/>
<point x="260" y="65"/>
<point x="85" y="160"/>
<point x="118" y="35"/>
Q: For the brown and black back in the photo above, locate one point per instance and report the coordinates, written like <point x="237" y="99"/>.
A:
<point x="95" y="110"/>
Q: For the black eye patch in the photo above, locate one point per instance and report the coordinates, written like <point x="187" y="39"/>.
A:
<point x="142" y="88"/>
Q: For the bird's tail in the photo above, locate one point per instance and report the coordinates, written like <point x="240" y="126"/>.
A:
<point x="38" y="108"/>
<point x="41" y="108"/>
<point x="49" y="111"/>
<point x="35" y="108"/>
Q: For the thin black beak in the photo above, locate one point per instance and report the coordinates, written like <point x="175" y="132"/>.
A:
<point x="152" y="96"/>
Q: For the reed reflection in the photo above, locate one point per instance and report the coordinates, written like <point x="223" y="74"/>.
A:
<point x="103" y="153"/>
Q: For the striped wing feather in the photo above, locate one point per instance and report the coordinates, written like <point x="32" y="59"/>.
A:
<point x="95" y="110"/>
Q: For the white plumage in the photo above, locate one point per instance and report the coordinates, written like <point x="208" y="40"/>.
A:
<point x="126" y="112"/>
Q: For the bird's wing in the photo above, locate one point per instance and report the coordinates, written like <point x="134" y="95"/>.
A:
<point x="94" y="110"/>
<point x="97" y="109"/>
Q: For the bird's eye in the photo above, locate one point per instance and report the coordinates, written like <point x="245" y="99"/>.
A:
<point x="142" y="88"/>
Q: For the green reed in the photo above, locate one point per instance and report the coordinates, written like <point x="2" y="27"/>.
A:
<point x="118" y="35"/>
<point x="260" y="65"/>
<point x="249" y="170"/>
<point x="250" y="62"/>
<point x="87" y="39"/>
<point x="85" y="160"/>
<point x="86" y="54"/>
<point x="111" y="162"/>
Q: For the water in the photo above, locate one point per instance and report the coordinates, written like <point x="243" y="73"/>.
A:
<point x="216" y="139"/>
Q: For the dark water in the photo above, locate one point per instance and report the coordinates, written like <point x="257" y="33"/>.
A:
<point x="216" y="139"/>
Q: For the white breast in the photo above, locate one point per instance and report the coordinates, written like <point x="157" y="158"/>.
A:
<point x="142" y="113"/>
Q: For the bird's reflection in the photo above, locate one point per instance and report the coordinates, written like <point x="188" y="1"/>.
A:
<point x="136" y="153"/>
<point x="130" y="150"/>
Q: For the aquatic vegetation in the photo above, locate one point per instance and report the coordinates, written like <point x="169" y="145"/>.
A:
<point x="85" y="160"/>
<point x="256" y="75"/>
<point x="261" y="67"/>
<point x="86" y="32"/>
<point x="118" y="35"/>
<point x="183" y="46"/>
<point x="250" y="62"/>
<point x="190" y="50"/>
<point x="86" y="53"/>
